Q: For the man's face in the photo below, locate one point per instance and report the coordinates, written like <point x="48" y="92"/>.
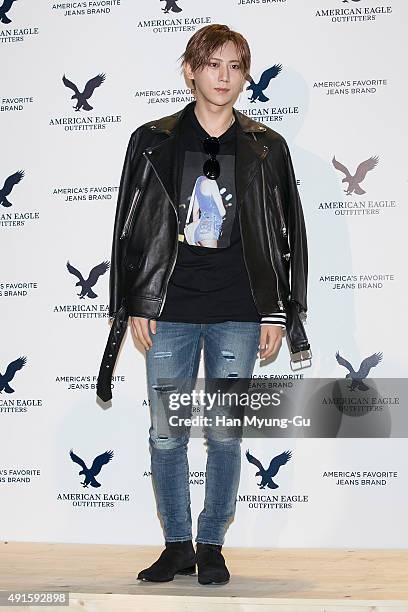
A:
<point x="221" y="80"/>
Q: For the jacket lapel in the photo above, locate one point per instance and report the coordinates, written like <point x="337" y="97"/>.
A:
<point x="249" y="155"/>
<point x="249" y="152"/>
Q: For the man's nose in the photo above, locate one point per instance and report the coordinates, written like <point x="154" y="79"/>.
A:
<point x="223" y="74"/>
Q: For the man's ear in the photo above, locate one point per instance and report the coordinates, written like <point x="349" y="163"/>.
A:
<point x="188" y="72"/>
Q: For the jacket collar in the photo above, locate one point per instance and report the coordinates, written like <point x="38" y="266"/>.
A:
<point x="168" y="123"/>
<point x="249" y="151"/>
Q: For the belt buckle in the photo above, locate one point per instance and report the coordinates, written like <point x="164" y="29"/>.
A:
<point x="301" y="360"/>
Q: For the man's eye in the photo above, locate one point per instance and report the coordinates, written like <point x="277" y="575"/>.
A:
<point x="213" y="64"/>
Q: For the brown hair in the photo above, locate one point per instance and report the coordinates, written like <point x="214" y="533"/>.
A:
<point x="206" y="40"/>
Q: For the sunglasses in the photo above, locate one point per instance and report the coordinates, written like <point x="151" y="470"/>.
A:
<point x="211" y="167"/>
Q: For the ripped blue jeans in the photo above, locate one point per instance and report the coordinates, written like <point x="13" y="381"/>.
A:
<point x="230" y="350"/>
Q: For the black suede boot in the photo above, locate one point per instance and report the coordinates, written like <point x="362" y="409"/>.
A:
<point x="176" y="558"/>
<point x="211" y="564"/>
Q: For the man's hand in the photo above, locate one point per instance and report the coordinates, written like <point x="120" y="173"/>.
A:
<point x="270" y="335"/>
<point x="140" y="326"/>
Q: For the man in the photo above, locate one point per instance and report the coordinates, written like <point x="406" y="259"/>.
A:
<point x="208" y="226"/>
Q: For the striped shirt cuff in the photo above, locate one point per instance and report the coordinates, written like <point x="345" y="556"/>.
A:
<point x="276" y="318"/>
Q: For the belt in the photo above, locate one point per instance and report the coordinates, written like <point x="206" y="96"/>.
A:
<point x="118" y="329"/>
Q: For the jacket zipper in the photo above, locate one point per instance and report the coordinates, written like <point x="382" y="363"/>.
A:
<point x="280" y="302"/>
<point x="279" y="204"/>
<point x="176" y="245"/>
<point x="243" y="250"/>
<point x="130" y="214"/>
<point x="243" y="253"/>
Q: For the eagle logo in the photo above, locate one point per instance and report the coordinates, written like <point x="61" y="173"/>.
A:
<point x="8" y="185"/>
<point x="365" y="367"/>
<point x="86" y="285"/>
<point x="171" y="6"/>
<point x="8" y="376"/>
<point x="94" y="470"/>
<point x="4" y="8"/>
<point x="360" y="174"/>
<point x="258" y="88"/>
<point x="83" y="97"/>
<point x="273" y="469"/>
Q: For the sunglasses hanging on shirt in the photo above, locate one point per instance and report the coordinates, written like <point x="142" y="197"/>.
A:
<point x="211" y="167"/>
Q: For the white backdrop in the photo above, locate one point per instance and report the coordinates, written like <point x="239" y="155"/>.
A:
<point x="341" y="93"/>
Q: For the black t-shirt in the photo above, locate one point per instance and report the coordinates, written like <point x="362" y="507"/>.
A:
<point x="209" y="282"/>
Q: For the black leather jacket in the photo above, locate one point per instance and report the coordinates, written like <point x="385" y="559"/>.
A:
<point x="145" y="236"/>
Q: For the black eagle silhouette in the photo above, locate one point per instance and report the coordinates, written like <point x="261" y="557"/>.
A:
<point x="365" y="367"/>
<point x="86" y="285"/>
<point x="171" y="6"/>
<point x="96" y="467"/>
<point x="258" y="88"/>
<point x="86" y="94"/>
<point x="272" y="470"/>
<point x="354" y="181"/>
<point x="4" y="8"/>
<point x="7" y="188"/>
<point x="12" y="368"/>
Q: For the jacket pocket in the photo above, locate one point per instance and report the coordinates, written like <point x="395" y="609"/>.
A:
<point x="131" y="214"/>
<point x="279" y="243"/>
<point x="279" y="206"/>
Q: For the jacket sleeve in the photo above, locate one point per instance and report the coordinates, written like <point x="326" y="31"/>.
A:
<point x="296" y="235"/>
<point x="116" y="269"/>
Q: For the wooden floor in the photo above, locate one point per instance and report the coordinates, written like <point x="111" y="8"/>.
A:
<point x="102" y="578"/>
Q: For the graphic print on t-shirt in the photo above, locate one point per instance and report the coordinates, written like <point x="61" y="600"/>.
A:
<point x="207" y="207"/>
